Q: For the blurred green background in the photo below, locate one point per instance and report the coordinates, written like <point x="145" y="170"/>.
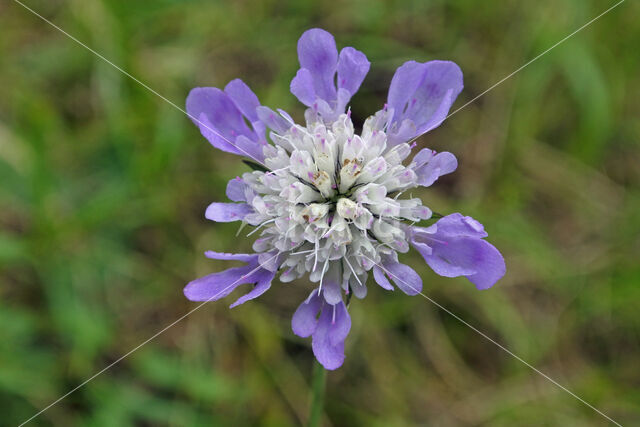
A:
<point x="103" y="188"/>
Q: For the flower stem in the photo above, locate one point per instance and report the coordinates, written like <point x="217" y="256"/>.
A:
<point x="317" y="394"/>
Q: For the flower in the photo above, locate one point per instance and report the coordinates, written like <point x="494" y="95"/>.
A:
<point x="331" y="204"/>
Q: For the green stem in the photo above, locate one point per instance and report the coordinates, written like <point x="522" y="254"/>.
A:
<point x="317" y="394"/>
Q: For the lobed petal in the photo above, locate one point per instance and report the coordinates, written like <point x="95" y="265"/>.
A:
<point x="340" y="324"/>
<point x="381" y="279"/>
<point x="215" y="138"/>
<point x="273" y="120"/>
<point x="437" y="165"/>
<point x="331" y="285"/>
<point x="332" y="328"/>
<point x="231" y="257"/>
<point x="236" y="190"/>
<point x="244" y="99"/>
<point x="404" y="84"/>
<point x="227" y="212"/>
<point x="454" y="246"/>
<point x="423" y="93"/>
<point x="263" y="280"/>
<point x="455" y="256"/>
<point x="404" y="277"/>
<point x="458" y="225"/>
<point x="302" y="87"/>
<point x="218" y="285"/>
<point x="304" y="320"/>
<point x="490" y="266"/>
<point x="353" y="66"/>
<point x="220" y="115"/>
<point x="317" y="53"/>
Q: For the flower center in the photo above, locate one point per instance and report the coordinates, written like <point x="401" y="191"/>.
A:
<point x="347" y="209"/>
<point x="331" y="201"/>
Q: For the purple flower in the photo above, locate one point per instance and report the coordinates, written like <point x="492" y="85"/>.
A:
<point x="327" y="204"/>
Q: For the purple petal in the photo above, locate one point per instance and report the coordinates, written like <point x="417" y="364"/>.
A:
<point x="458" y="225"/>
<point x="236" y="190"/>
<point x="328" y="338"/>
<point x="353" y="66"/>
<point x="424" y="249"/>
<point x="270" y="260"/>
<point x="358" y="287"/>
<point x="424" y="93"/>
<point x="381" y="279"/>
<point x="251" y="148"/>
<point x="227" y="212"/>
<point x="453" y="247"/>
<point x="441" y="84"/>
<point x="490" y="267"/>
<point x="218" y="285"/>
<point x="244" y="98"/>
<point x="302" y="87"/>
<point x="222" y="121"/>
<point x="331" y="285"/>
<point x="304" y="320"/>
<point x="317" y="53"/>
<point x="404" y="277"/>
<point x="404" y="83"/>
<point x="231" y="257"/>
<point x="273" y="120"/>
<point x="263" y="280"/>
<point x="341" y="324"/>
<point x="455" y="256"/>
<point x="438" y="165"/>
<point x="215" y="138"/>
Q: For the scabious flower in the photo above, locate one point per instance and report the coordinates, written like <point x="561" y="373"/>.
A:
<point x="332" y="205"/>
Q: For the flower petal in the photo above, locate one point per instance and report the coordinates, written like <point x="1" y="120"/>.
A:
<point x="404" y="277"/>
<point x="273" y="120"/>
<point x="381" y="279"/>
<point x="404" y="83"/>
<point x="453" y="247"/>
<point x="304" y="320"/>
<point x="317" y="53"/>
<point x="424" y="93"/>
<point x="244" y="98"/>
<point x="358" y="286"/>
<point x="341" y="324"/>
<point x="231" y="257"/>
<point x="215" y="138"/>
<point x="218" y="285"/>
<point x="227" y="212"/>
<point x="328" y="339"/>
<point x="222" y="122"/>
<point x="455" y="256"/>
<point x="263" y="280"/>
<point x="236" y="190"/>
<point x="490" y="267"/>
<point x="302" y="87"/>
<point x="331" y="285"/>
<point x="353" y="66"/>
<point x="458" y="225"/>
<point x="438" y="165"/>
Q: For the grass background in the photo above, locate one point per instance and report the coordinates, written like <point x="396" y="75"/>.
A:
<point x="103" y="188"/>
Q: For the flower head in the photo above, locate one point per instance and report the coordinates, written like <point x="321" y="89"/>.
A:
<point x="333" y="205"/>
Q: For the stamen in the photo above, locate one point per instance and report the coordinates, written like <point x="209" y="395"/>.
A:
<point x="317" y="243"/>
<point x="324" y="270"/>
<point x="352" y="270"/>
<point x="301" y="252"/>
<point x="260" y="226"/>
